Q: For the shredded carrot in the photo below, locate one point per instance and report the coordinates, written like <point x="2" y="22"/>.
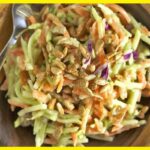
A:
<point x="99" y="110"/>
<point x="146" y="93"/>
<point x="23" y="77"/>
<point x="90" y="121"/>
<point x="97" y="90"/>
<point x="104" y="94"/>
<point x="16" y="104"/>
<point x="74" y="138"/>
<point x="117" y="29"/>
<point x="17" y="51"/>
<point x="42" y="39"/>
<point x="66" y="34"/>
<point x="147" y="85"/>
<point x="141" y="77"/>
<point x="94" y="31"/>
<point x="123" y="14"/>
<point x="47" y="87"/>
<point x="31" y="20"/>
<point x="116" y="93"/>
<point x="67" y="81"/>
<point x="81" y="11"/>
<point x="100" y="59"/>
<point x="79" y="91"/>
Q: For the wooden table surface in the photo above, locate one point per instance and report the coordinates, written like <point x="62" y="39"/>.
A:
<point x="5" y="21"/>
<point x="146" y="7"/>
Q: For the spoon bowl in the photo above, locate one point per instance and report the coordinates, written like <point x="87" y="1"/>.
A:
<point x="19" y="14"/>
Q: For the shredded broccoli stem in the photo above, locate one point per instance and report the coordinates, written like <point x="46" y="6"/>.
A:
<point x="136" y="39"/>
<point x="132" y="100"/>
<point x="40" y="132"/>
<point x="31" y="109"/>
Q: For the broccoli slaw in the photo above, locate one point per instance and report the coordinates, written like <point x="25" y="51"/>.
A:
<point x="79" y="72"/>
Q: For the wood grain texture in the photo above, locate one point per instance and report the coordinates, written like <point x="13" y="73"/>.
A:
<point x="144" y="137"/>
<point x="5" y="24"/>
<point x="5" y="28"/>
<point x="9" y="136"/>
<point x="146" y="7"/>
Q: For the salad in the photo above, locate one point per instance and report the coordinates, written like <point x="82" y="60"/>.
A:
<point x="78" y="72"/>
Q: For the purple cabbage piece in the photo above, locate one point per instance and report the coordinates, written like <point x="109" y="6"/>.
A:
<point x="127" y="56"/>
<point x="90" y="46"/>
<point x="98" y="70"/>
<point x="104" y="73"/>
<point x="107" y="26"/>
<point x="135" y="55"/>
<point x="86" y="62"/>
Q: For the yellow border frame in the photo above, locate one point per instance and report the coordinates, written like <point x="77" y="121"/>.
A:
<point x="75" y="148"/>
<point x="76" y="1"/>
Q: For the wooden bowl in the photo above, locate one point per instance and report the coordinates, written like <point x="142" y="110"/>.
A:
<point x="9" y="136"/>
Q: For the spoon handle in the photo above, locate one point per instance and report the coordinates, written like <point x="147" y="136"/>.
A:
<point x="19" y="13"/>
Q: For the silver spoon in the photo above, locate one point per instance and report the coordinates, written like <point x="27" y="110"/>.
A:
<point x="19" y="14"/>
